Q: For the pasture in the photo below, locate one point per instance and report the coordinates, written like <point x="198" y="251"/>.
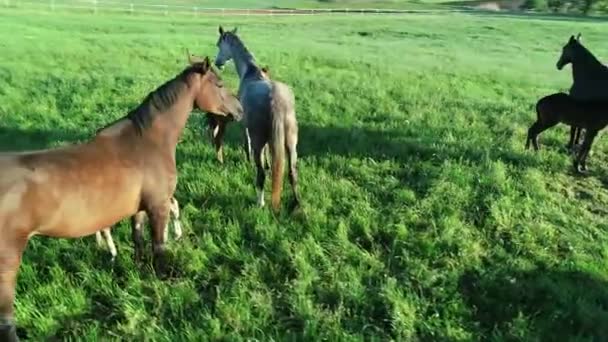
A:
<point x="423" y="217"/>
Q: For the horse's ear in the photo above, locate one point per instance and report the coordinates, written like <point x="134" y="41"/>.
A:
<point x="206" y="63"/>
<point x="189" y="56"/>
<point x="578" y="37"/>
<point x="192" y="59"/>
<point x="234" y="31"/>
<point x="221" y="30"/>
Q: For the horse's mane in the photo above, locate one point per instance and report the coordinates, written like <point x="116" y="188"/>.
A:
<point x="254" y="71"/>
<point x="235" y="41"/>
<point x="587" y="54"/>
<point x="160" y="99"/>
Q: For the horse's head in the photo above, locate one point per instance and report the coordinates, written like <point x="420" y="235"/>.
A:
<point x="212" y="96"/>
<point x="569" y="51"/>
<point x="224" y="53"/>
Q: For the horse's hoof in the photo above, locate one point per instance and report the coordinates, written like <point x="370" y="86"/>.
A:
<point x="294" y="207"/>
<point x="260" y="198"/>
<point x="138" y="257"/>
<point x="8" y="333"/>
<point x="160" y="267"/>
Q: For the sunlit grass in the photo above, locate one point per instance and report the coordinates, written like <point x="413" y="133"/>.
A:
<point x="424" y="217"/>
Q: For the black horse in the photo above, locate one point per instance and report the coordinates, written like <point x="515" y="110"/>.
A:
<point x="561" y="107"/>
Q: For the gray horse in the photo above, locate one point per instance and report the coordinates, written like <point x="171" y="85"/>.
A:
<point x="589" y="77"/>
<point x="269" y="117"/>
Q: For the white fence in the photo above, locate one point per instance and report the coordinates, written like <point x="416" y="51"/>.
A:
<point x="95" y="6"/>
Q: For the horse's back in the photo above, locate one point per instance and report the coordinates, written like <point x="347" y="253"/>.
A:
<point x="283" y="98"/>
<point x="553" y="104"/>
<point x="554" y="98"/>
<point x="590" y="91"/>
<point x="59" y="192"/>
<point x="255" y="88"/>
<point x="564" y="108"/>
<point x="255" y="97"/>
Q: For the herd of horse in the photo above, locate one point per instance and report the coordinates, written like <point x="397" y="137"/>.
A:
<point x="129" y="169"/>
<point x="584" y="108"/>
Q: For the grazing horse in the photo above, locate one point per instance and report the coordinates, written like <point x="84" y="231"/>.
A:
<point x="127" y="167"/>
<point x="269" y="116"/>
<point x="552" y="109"/>
<point x="589" y="77"/>
<point x="137" y="221"/>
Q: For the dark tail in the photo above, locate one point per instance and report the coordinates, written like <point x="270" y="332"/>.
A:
<point x="277" y="146"/>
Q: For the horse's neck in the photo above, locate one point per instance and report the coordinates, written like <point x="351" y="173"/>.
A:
<point x="243" y="59"/>
<point x="168" y="125"/>
<point x="175" y="119"/>
<point x="586" y="65"/>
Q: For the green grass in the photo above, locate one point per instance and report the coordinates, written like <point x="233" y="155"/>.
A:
<point x="241" y="4"/>
<point x="424" y="217"/>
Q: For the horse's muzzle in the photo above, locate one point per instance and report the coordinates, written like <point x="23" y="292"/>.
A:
<point x="234" y="108"/>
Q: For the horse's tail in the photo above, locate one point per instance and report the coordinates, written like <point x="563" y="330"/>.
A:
<point x="277" y="143"/>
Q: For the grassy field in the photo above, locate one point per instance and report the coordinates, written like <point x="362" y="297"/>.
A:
<point x="174" y="5"/>
<point x="424" y="218"/>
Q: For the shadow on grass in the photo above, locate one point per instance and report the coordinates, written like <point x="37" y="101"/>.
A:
<point x="104" y="307"/>
<point x="543" y="304"/>
<point x="361" y="142"/>
<point x="19" y="139"/>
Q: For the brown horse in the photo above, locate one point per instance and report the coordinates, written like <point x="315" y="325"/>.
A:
<point x="217" y="122"/>
<point x="137" y="221"/>
<point x="128" y="166"/>
<point x="561" y="107"/>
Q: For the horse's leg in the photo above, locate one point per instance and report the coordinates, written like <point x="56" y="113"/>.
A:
<point x="261" y="176"/>
<point x="137" y="222"/>
<point x="99" y="239"/>
<point x="579" y="135"/>
<point x="267" y="157"/>
<point x="581" y="160"/>
<point x="573" y="138"/>
<point x="218" y="137"/>
<point x="247" y="144"/>
<point x="532" y="133"/>
<point x="159" y="217"/>
<point x="11" y="250"/>
<point x="177" y="225"/>
<point x="211" y="124"/>
<point x="536" y="129"/>
<point x="110" y="242"/>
